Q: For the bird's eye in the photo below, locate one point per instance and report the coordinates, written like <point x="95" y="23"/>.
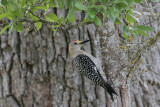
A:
<point x="75" y="43"/>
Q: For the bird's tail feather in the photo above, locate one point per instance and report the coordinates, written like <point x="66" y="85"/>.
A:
<point x="110" y="90"/>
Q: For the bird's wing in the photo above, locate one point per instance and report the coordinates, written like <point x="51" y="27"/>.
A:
<point x="87" y="67"/>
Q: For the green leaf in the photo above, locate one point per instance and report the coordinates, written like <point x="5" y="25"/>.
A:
<point x="12" y="15"/>
<point x="4" y="29"/>
<point x="137" y="1"/>
<point x="13" y="6"/>
<point x="23" y="3"/>
<point x="98" y="8"/>
<point x="60" y="3"/>
<point x="118" y="22"/>
<point x="91" y="6"/>
<point x="67" y="3"/>
<point x="41" y="7"/>
<point x="45" y="1"/>
<point x="141" y="32"/>
<point x="105" y="14"/>
<point x="114" y="12"/>
<point x="118" y="1"/>
<point x="20" y="27"/>
<point x="1" y="9"/>
<point x="80" y="6"/>
<point x="38" y="25"/>
<point x="53" y="17"/>
<point x="61" y="20"/>
<point x="53" y="29"/>
<point x="131" y="30"/>
<point x="72" y="19"/>
<point x="129" y="19"/>
<point x="133" y="33"/>
<point x="92" y="1"/>
<point x="130" y="2"/>
<point x="34" y="10"/>
<point x="124" y="35"/>
<point x="3" y="15"/>
<point x="144" y="28"/>
<point x="52" y="3"/>
<point x="122" y="6"/>
<point x="33" y="2"/>
<point x="45" y="7"/>
<point x="20" y="13"/>
<point x="87" y="19"/>
<point x="125" y="32"/>
<point x="70" y="16"/>
<point x="111" y="17"/>
<point x="92" y="13"/>
<point x="10" y="29"/>
<point x="33" y="17"/>
<point x="71" y="13"/>
<point x="136" y="19"/>
<point x="97" y="21"/>
<point x="104" y="2"/>
<point x="4" y="2"/>
<point x="131" y="12"/>
<point x="56" y="26"/>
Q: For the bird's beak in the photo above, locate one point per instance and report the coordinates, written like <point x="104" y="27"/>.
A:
<point x="83" y="42"/>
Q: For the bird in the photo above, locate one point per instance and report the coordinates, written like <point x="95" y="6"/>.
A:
<point x="89" y="66"/>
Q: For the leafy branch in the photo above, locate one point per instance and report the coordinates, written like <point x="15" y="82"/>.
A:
<point x="95" y="11"/>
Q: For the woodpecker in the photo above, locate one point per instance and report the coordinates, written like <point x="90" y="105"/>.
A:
<point x="89" y="66"/>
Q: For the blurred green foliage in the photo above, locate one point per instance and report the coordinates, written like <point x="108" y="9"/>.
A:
<point x="19" y="12"/>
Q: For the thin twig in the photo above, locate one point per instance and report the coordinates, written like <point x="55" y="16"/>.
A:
<point x="141" y="51"/>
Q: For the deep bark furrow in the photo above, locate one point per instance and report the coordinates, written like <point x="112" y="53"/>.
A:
<point x="15" y="99"/>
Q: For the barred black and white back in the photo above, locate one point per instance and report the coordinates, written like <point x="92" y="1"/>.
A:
<point x="88" y="68"/>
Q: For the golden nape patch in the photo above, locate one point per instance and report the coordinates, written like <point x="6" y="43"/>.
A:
<point x="69" y="50"/>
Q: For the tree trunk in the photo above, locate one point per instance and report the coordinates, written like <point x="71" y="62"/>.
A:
<point x="36" y="69"/>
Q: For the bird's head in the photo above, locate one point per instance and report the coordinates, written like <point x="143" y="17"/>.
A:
<point x="76" y="45"/>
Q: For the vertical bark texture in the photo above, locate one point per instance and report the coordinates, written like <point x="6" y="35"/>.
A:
<point x="36" y="69"/>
